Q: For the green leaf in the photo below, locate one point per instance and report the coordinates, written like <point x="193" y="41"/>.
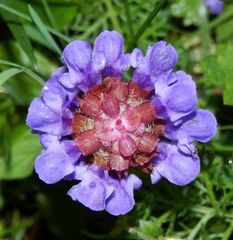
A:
<point x="35" y="17"/>
<point x="218" y="71"/>
<point x="1" y="200"/>
<point x="14" y="11"/>
<point x="24" y="16"/>
<point x="150" y="228"/>
<point x="68" y="13"/>
<point x="228" y="94"/>
<point x="225" y="31"/>
<point x="36" y="36"/>
<point x="222" y="18"/>
<point x="49" y="14"/>
<point x="18" y="31"/>
<point x="4" y="76"/>
<point x="23" y="88"/>
<point x="24" y="149"/>
<point x="190" y="10"/>
<point x="25" y="69"/>
<point x="159" y="5"/>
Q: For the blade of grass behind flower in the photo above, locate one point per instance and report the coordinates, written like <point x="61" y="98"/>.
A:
<point x="27" y="18"/>
<point x="34" y="34"/>
<point x="112" y="14"/>
<point x="158" y="6"/>
<point x="128" y="18"/>
<point x="40" y="25"/>
<point x="5" y="75"/>
<point x="49" y="14"/>
<point x="18" y="32"/>
<point x="52" y="19"/>
<point x="24" y="69"/>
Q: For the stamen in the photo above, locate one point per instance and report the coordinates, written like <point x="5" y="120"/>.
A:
<point x="116" y="127"/>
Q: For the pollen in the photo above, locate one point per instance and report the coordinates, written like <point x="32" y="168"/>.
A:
<point x="116" y="127"/>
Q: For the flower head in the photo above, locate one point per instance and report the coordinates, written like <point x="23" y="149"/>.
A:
<point x="214" y="6"/>
<point x="95" y="127"/>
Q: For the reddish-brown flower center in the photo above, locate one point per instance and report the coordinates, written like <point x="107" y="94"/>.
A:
<point x="116" y="126"/>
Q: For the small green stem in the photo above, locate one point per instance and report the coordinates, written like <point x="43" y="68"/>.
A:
<point x="113" y="14"/>
<point x="228" y="232"/>
<point x="215" y="147"/>
<point x="226" y="127"/>
<point x="128" y="17"/>
<point x="204" y="34"/>
<point x="27" y="18"/>
<point x="49" y="14"/>
<point x="221" y="18"/>
<point x="202" y="222"/>
<point x="25" y="69"/>
<point x="160" y="4"/>
<point x="210" y="191"/>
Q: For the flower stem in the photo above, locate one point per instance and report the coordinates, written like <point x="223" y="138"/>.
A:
<point x="210" y="191"/>
<point x="128" y="17"/>
<point x="202" y="222"/>
<point x="226" y="127"/>
<point x="159" y="5"/>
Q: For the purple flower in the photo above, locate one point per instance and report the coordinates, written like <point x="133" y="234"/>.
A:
<point x="214" y="6"/>
<point x="95" y="127"/>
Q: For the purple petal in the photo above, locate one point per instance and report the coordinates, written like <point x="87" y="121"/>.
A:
<point x="201" y="127"/>
<point x="54" y="99"/>
<point x="44" y="119"/>
<point x="215" y="6"/>
<point x="155" y="66"/>
<point x="53" y="80"/>
<point x="47" y="139"/>
<point x="66" y="80"/>
<point x="122" y="200"/>
<point x="98" y="61"/>
<point x="174" y="96"/>
<point x="159" y="108"/>
<point x="83" y="169"/>
<point x="122" y="64"/>
<point x="54" y="86"/>
<point x="49" y="112"/>
<point x="142" y="72"/>
<point x="186" y="147"/>
<point x="90" y="80"/>
<point x="91" y="192"/>
<point x="41" y="118"/>
<point x="142" y="80"/>
<point x="77" y="57"/>
<point x="54" y="163"/>
<point x="177" y="167"/>
<point x="163" y="57"/>
<point x="136" y="58"/>
<point x="111" y="44"/>
<point x="94" y="188"/>
<point x="155" y="176"/>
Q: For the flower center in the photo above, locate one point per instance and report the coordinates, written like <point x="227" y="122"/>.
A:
<point x="116" y="126"/>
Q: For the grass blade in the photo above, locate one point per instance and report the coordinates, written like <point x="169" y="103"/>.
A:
<point x="40" y="25"/>
<point x="5" y="75"/>
<point x="24" y="69"/>
<point x="27" y="18"/>
<point x="128" y="17"/>
<point x="49" y="14"/>
<point x="112" y="15"/>
<point x="15" y="12"/>
<point x="19" y="33"/>
<point x="161" y="4"/>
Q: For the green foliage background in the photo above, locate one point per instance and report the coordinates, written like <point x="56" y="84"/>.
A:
<point x="32" y="37"/>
